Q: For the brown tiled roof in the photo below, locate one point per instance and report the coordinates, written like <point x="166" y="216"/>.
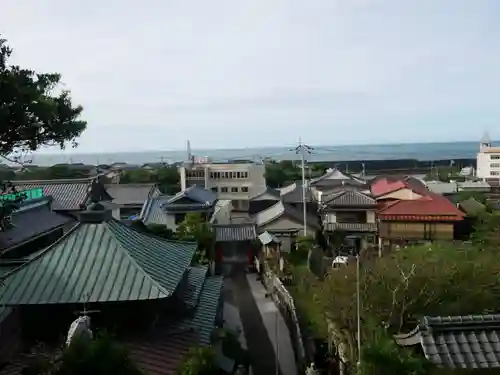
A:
<point x="163" y="355"/>
<point x="466" y="342"/>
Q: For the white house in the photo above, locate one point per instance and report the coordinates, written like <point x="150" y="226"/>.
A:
<point x="488" y="160"/>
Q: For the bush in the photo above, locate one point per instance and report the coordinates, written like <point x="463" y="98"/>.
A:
<point x="200" y="361"/>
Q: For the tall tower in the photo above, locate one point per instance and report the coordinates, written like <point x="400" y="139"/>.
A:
<point x="485" y="141"/>
<point x="189" y="155"/>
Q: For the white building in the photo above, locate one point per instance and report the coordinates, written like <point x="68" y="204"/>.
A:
<point x="488" y="159"/>
<point x="237" y="182"/>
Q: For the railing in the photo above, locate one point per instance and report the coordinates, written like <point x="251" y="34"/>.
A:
<point x="285" y="303"/>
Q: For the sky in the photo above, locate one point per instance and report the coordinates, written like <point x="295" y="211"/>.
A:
<point x="234" y="74"/>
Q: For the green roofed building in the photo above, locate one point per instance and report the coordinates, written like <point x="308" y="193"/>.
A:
<point x="116" y="269"/>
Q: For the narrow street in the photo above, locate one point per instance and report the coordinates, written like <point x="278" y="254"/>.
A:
<point x="260" y="347"/>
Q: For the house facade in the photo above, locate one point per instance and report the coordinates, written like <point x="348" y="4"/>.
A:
<point x="286" y="223"/>
<point x="429" y="218"/>
<point x="349" y="213"/>
<point x="127" y="200"/>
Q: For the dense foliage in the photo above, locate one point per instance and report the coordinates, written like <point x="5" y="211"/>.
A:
<point x="101" y="356"/>
<point x="279" y="174"/>
<point x="167" y="178"/>
<point x="397" y="290"/>
<point x="195" y="227"/>
<point x="31" y="113"/>
<point x="200" y="361"/>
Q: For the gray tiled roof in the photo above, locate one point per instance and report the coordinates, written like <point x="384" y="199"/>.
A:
<point x="349" y="198"/>
<point x="275" y="193"/>
<point x="31" y="221"/>
<point x="471" y="206"/>
<point x="282" y="209"/>
<point x="66" y="194"/>
<point x="131" y="194"/>
<point x="336" y="177"/>
<point x="195" y="193"/>
<point x="351" y="227"/>
<point x="153" y="212"/>
<point x="458" y="341"/>
<point x="293" y="193"/>
<point x="195" y="278"/>
<point x="442" y="187"/>
<point x="235" y="232"/>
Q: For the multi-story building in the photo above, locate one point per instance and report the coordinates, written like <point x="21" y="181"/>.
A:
<point x="488" y="160"/>
<point x="237" y="181"/>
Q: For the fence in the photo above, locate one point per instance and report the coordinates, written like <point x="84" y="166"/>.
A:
<point x="285" y="303"/>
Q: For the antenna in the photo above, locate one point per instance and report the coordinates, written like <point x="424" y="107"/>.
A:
<point x="302" y="149"/>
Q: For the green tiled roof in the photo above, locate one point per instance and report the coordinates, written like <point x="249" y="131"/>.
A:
<point x="204" y="316"/>
<point x="101" y="262"/>
<point x="190" y="293"/>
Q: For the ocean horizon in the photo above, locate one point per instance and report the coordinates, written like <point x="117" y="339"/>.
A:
<point x="418" y="151"/>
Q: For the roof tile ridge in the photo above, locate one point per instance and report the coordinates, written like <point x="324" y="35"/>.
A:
<point x="134" y="261"/>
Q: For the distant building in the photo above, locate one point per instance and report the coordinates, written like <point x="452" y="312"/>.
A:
<point x="238" y="182"/>
<point x="488" y="160"/>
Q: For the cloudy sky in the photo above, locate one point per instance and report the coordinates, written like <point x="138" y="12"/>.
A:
<point x="232" y="73"/>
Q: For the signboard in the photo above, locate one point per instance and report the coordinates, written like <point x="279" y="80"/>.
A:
<point x="29" y="194"/>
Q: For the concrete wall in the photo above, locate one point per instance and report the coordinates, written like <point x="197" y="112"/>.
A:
<point x="488" y="163"/>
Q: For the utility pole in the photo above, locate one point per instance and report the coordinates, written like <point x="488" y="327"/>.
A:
<point x="303" y="149"/>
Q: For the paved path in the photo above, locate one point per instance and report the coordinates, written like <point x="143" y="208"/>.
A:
<point x="276" y="327"/>
<point x="260" y="347"/>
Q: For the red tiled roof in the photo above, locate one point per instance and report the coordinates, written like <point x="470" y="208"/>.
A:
<point x="384" y="186"/>
<point x="388" y="185"/>
<point x="163" y="355"/>
<point x="429" y="207"/>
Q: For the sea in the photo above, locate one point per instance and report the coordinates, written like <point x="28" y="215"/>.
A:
<point x="418" y="151"/>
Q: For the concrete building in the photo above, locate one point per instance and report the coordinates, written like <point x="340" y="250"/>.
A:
<point x="488" y="160"/>
<point x="238" y="181"/>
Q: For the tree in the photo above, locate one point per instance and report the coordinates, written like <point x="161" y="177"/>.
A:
<point x="200" y="361"/>
<point x="400" y="288"/>
<point x="168" y="178"/>
<point x="136" y="176"/>
<point x="194" y="227"/>
<point x="31" y="113"/>
<point x="102" y="356"/>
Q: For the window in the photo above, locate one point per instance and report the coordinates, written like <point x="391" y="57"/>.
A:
<point x="244" y="174"/>
<point x="214" y="189"/>
<point x="234" y="190"/>
<point x="495" y="157"/>
<point x="179" y="218"/>
<point x="238" y="174"/>
<point x="223" y="189"/>
<point x="494" y="173"/>
<point x="244" y="189"/>
<point x="495" y="165"/>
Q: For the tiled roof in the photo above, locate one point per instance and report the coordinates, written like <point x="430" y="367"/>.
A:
<point x="430" y="205"/>
<point x="31" y="221"/>
<point x="132" y="194"/>
<point x="203" y="319"/>
<point x="266" y="238"/>
<point x="66" y="194"/>
<point x="195" y="277"/>
<point x="235" y="232"/>
<point x="351" y="227"/>
<point x="153" y="213"/>
<point x="471" y="185"/>
<point x="293" y="193"/>
<point x="471" y="206"/>
<point x="282" y="209"/>
<point x="186" y="207"/>
<point x="349" y="198"/>
<point x="269" y="191"/>
<point x="196" y="194"/>
<point x="98" y="263"/>
<point x="439" y="187"/>
<point x="385" y="185"/>
<point x="163" y="354"/>
<point x="335" y="177"/>
<point x="466" y="342"/>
